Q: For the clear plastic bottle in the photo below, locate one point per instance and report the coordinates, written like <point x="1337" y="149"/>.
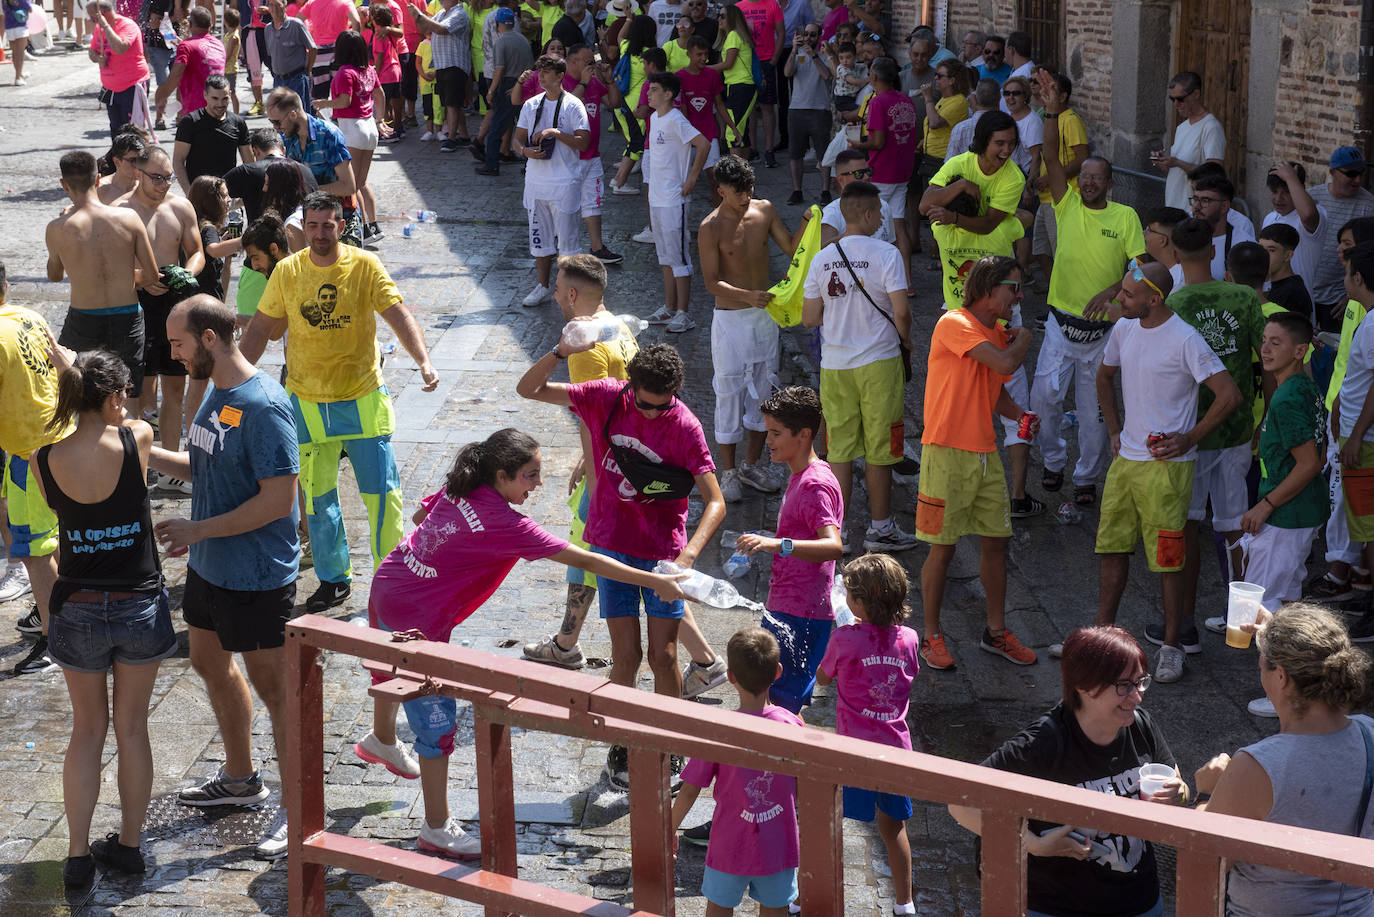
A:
<point x="1068" y="514"/>
<point x="169" y="34"/>
<point x="839" y="602"/>
<point x="706" y="590"/>
<point x="602" y="328"/>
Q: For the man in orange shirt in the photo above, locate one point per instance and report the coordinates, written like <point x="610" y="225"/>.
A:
<point x="963" y="486"/>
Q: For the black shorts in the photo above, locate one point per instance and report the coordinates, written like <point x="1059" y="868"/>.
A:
<point x="451" y="85"/>
<point x="120" y="334"/>
<point x="740" y="99"/>
<point x="391" y="91"/>
<point x="768" y="85"/>
<point x="410" y="78"/>
<point x="807" y="127"/>
<point x="157" y="350"/>
<point x="244" y="621"/>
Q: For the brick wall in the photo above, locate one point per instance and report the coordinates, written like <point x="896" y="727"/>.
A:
<point x="1088" y="59"/>
<point x="1317" y="98"/>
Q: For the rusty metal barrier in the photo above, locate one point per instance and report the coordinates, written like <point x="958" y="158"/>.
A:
<point x="508" y="693"/>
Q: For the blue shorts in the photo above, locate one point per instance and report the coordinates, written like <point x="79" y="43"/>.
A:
<point x="622" y="600"/>
<point x="433" y="719"/>
<point x="803" y="642"/>
<point x="725" y="890"/>
<point x="859" y="804"/>
<point x="1156" y="911"/>
<point x="92" y="636"/>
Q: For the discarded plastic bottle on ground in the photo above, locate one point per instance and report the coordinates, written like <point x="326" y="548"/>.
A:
<point x="707" y="590"/>
<point x="408" y="230"/>
<point x="1069" y="422"/>
<point x="426" y="216"/>
<point x="1068" y="514"/>
<point x="839" y="601"/>
<point x="601" y="328"/>
<point x="389" y="347"/>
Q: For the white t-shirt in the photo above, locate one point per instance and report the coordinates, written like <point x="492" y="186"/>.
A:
<point x="1240" y="221"/>
<point x="1176" y="272"/>
<point x="1195" y="143"/>
<point x="670" y="156"/>
<point x="558" y="178"/>
<point x="1309" y="243"/>
<point x="1023" y="70"/>
<point x="832" y="216"/>
<point x="1030" y="131"/>
<point x="853" y="334"/>
<point x="961" y="135"/>
<point x="1161" y="369"/>
<point x="1359" y="375"/>
<point x="665" y="16"/>
<point x="1240" y="232"/>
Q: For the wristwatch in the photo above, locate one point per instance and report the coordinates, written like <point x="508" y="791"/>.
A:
<point x="553" y="352"/>
<point x="1049" y="115"/>
<point x="786" y="549"/>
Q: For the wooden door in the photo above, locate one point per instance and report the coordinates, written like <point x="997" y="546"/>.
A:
<point x="1214" y="42"/>
<point x="1043" y="20"/>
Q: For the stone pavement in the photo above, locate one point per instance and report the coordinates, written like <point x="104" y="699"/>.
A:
<point x="464" y="276"/>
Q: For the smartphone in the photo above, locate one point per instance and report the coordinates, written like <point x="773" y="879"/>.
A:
<point x="1097" y="847"/>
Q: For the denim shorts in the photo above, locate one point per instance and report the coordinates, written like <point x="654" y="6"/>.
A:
<point x="725" y="890"/>
<point x="802" y="642"/>
<point x="621" y="600"/>
<point x="92" y="636"/>
<point x="432" y="717"/>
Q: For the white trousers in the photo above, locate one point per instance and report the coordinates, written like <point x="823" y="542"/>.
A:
<point x="1063" y="361"/>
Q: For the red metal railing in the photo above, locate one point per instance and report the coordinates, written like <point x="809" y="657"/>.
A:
<point x="509" y="693"/>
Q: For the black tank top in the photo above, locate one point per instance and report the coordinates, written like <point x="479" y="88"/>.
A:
<point x="105" y="546"/>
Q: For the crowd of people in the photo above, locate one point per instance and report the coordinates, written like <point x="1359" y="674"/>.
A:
<point x="1231" y="403"/>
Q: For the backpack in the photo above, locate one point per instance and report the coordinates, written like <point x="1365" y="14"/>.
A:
<point x="622" y="74"/>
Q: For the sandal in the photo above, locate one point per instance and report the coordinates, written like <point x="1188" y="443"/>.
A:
<point x="1052" y="480"/>
<point x="1085" y="494"/>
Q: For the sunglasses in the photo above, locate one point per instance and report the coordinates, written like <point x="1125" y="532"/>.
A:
<point x="1014" y="284"/>
<point x="156" y="178"/>
<point x="992" y="51"/>
<point x="1124" y="688"/>
<point x="1139" y="277"/>
<point x="1176" y="99"/>
<point x="1011" y="93"/>
<point x="858" y="173"/>
<point x="658" y="407"/>
<point x="1351" y="173"/>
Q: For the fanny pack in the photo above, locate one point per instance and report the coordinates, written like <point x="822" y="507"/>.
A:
<point x="649" y="479"/>
<point x="1080" y="330"/>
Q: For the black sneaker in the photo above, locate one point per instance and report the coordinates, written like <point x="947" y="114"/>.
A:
<point x="1362" y="630"/>
<point x="700" y="835"/>
<point x="1026" y="506"/>
<point x="606" y="256"/>
<point x="78" y="871"/>
<point x="908" y="467"/>
<point x="111" y="854"/>
<point x="328" y="595"/>
<point x="796" y="197"/>
<point x="510" y="157"/>
<point x="223" y="790"/>
<point x="618" y="767"/>
<point x="373" y="233"/>
<point x="1188" y="637"/>
<point x="483" y="170"/>
<point x="37" y="661"/>
<point x="450" y="146"/>
<point x="478" y="149"/>
<point x="769" y="160"/>
<point x="1326" y="589"/>
<point x="31" y="623"/>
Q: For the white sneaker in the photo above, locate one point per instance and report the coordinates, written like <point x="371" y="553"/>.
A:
<point x="20" y="81"/>
<point x="168" y="484"/>
<point x="549" y="652"/>
<point x="645" y="235"/>
<point x="1056" y="651"/>
<point x="1215" y="625"/>
<point x="888" y="540"/>
<point x="729" y="486"/>
<point x="395" y="758"/>
<point x="626" y="188"/>
<point x="273" y="843"/>
<point x="450" y="841"/>
<point x="698" y="679"/>
<point x="15" y="583"/>
<point x="662" y="316"/>
<point x="756" y="477"/>
<point x="1262" y="706"/>
<point x="427" y="136"/>
<point x="1169" y="668"/>
<point x="537" y="295"/>
<point x="681" y="322"/>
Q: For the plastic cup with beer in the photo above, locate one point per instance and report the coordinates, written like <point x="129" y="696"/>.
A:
<point x="1242" y="607"/>
<point x="1153" y="778"/>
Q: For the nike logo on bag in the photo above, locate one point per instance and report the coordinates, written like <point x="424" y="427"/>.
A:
<point x="657" y="487"/>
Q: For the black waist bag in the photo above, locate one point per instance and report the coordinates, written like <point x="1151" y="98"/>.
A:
<point x="649" y="479"/>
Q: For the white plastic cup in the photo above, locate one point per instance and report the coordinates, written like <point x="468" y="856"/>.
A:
<point x="1152" y="778"/>
<point x="1242" y="607"/>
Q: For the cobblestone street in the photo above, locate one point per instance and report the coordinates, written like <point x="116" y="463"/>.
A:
<point x="464" y="276"/>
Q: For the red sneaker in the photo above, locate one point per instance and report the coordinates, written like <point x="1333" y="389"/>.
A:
<point x="935" y="654"/>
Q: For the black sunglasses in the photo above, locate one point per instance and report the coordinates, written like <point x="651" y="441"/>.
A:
<point x="651" y="406"/>
<point x="1009" y="93"/>
<point x="858" y="173"/>
<point x="1351" y="173"/>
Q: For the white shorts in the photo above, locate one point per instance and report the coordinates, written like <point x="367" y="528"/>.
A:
<point x="671" y="238"/>
<point x="593" y="186"/>
<point x="894" y="195"/>
<point x="1018" y="387"/>
<point x="552" y="231"/>
<point x="1046" y="232"/>
<point x="744" y="351"/>
<point x="16" y="33"/>
<point x="1277" y="560"/>
<point x="712" y="155"/>
<point x="1220" y="475"/>
<point x="359" y="133"/>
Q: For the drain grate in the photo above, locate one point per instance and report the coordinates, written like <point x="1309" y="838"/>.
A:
<point x="221" y="826"/>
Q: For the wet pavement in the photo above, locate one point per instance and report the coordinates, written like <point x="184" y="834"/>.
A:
<point x="463" y="277"/>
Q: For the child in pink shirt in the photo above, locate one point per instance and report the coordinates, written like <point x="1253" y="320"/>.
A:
<point x="873" y="663"/>
<point x="754" y="846"/>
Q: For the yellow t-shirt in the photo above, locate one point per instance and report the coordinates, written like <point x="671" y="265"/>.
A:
<point x="1099" y="242"/>
<point x="677" y="56"/>
<point x="1072" y="133"/>
<point x="28" y="394"/>
<point x="478" y="18"/>
<point x="331" y="315"/>
<point x="547" y="14"/>
<point x="742" y="71"/>
<point x="953" y="109"/>
<point x="959" y="249"/>
<point x="606" y="360"/>
<point x="1000" y="191"/>
<point x="1354" y="314"/>
<point x="637" y="76"/>
<point x="424" y="56"/>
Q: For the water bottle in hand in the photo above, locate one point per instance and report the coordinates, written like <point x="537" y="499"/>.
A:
<point x="602" y="328"/>
<point x="839" y="602"/>
<point x="706" y="590"/>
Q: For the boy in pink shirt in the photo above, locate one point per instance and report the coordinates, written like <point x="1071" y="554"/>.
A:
<point x="893" y="132"/>
<point x="872" y="663"/>
<point x="754" y="846"/>
<point x="702" y="100"/>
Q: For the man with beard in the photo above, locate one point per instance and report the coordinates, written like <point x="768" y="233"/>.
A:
<point x="264" y="244"/>
<point x="329" y="296"/>
<point x="241" y="573"/>
<point x="210" y="138"/>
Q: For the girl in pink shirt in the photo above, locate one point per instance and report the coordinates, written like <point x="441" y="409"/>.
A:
<point x="468" y="539"/>
<point x="873" y="663"/>
<point x="355" y="94"/>
<point x="385" y="40"/>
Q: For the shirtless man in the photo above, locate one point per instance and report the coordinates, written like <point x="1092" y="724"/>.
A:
<point x="172" y="230"/>
<point x="98" y="247"/>
<point x="124" y="153"/>
<point x="733" y="247"/>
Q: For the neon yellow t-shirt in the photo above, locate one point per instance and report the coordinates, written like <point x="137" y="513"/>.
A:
<point x="1354" y="314"/>
<point x="547" y="14"/>
<point x="1072" y="133"/>
<point x="424" y="57"/>
<point x="478" y="18"/>
<point x="637" y="76"/>
<point x="1099" y="242"/>
<point x="331" y="315"/>
<point x="953" y="109"/>
<point x="742" y="71"/>
<point x="28" y="397"/>
<point x="999" y="191"/>
<point x="959" y="249"/>
<point x="607" y="360"/>
<point x="677" y="56"/>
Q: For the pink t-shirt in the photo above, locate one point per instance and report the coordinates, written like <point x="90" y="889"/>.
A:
<point x="873" y="668"/>
<point x="326" y="18"/>
<point x="447" y="567"/>
<point x="891" y="111"/>
<point x="357" y="83"/>
<point x="202" y="56"/>
<point x="413" y="36"/>
<point x="761" y="15"/>
<point x="120" y="71"/>
<point x="400" y="16"/>
<point x="754" y="830"/>
<point x="698" y="99"/>
<point x="386" y="56"/>
<point x="592" y="101"/>
<point x="833" y="20"/>
<point x="811" y="502"/>
<point x="621" y="519"/>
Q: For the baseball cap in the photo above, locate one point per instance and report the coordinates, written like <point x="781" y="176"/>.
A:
<point x="1347" y="157"/>
<point x="505" y="16"/>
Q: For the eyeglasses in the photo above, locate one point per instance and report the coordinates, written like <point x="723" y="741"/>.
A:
<point x="970" y="44"/>
<point x="1199" y="199"/>
<point x="156" y="178"/>
<point x="1351" y="173"/>
<point x="1139" y="277"/>
<point x="1125" y="687"/>
<point x="1158" y="232"/>
<point x="657" y="407"/>
<point x="1014" y="284"/>
<point x="1176" y="99"/>
<point x="993" y="51"/>
<point x="861" y="172"/>
<point x="1012" y="93"/>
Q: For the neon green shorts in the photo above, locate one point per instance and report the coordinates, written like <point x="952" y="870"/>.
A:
<point x="1147" y="500"/>
<point x="863" y="412"/>
<point x="1357" y="486"/>
<point x="33" y="527"/>
<point x="962" y="493"/>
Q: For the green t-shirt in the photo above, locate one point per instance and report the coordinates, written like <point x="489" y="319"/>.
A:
<point x="1354" y="314"/>
<point x="251" y="286"/>
<point x="1094" y="247"/>
<point x="1228" y="317"/>
<point x="1000" y="191"/>
<point x="1296" y="416"/>
<point x="742" y="70"/>
<point x="959" y="249"/>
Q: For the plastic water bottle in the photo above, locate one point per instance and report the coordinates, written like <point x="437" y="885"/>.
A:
<point x="169" y="34"/>
<point x="1069" y="422"/>
<point x="839" y="601"/>
<point x="706" y="590"/>
<point x="602" y="328"/>
<point x="1068" y="514"/>
<point x="426" y="216"/>
<point x="408" y="230"/>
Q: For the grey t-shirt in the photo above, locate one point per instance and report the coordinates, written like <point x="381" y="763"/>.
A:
<point x="810" y="90"/>
<point x="512" y="51"/>
<point x="1329" y="284"/>
<point x="288" y="45"/>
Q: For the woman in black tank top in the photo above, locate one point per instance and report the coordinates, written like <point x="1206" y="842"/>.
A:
<point x="108" y="610"/>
